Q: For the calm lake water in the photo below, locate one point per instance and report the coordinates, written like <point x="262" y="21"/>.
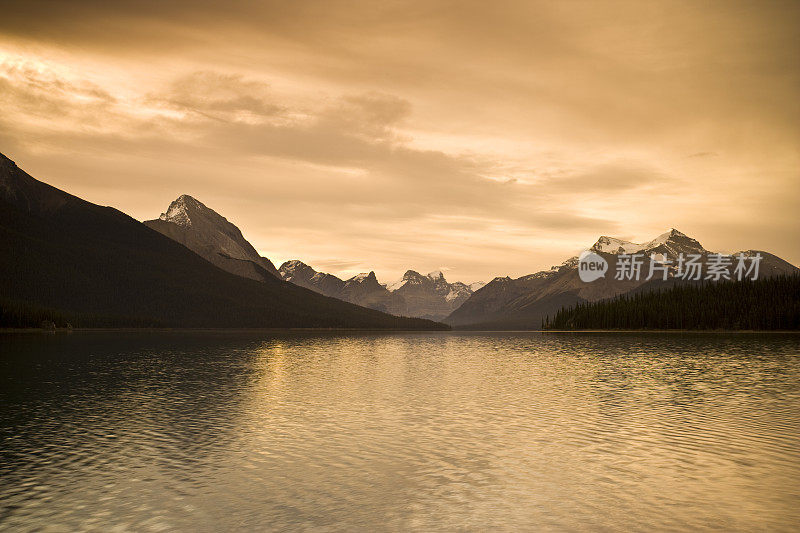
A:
<point x="385" y="432"/>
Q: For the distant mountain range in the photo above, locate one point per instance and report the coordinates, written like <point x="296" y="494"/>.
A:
<point x="362" y="289"/>
<point x="522" y="303"/>
<point x="504" y="303"/>
<point x="67" y="260"/>
<point x="211" y="236"/>
<point x="429" y="296"/>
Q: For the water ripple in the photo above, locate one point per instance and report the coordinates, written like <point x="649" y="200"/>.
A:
<point x="387" y="432"/>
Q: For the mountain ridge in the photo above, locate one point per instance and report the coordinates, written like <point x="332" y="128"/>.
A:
<point x="211" y="236"/>
<point x="522" y="303"/>
<point x="99" y="267"/>
<point x="428" y="296"/>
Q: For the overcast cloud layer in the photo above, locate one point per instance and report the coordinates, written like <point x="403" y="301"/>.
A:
<point x="481" y="138"/>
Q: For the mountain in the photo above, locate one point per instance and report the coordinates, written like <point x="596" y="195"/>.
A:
<point x="476" y="285"/>
<point x="506" y="303"/>
<point x="671" y="243"/>
<point x="365" y="290"/>
<point x="429" y="296"/>
<point x="522" y="303"/>
<point x="211" y="236"/>
<point x="362" y="289"/>
<point x="301" y="274"/>
<point x="65" y="259"/>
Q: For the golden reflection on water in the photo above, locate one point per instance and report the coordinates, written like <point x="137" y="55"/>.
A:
<point x="406" y="431"/>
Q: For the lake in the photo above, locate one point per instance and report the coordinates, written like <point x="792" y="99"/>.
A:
<point x="284" y="431"/>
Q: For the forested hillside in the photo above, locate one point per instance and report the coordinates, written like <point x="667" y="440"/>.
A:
<point x="765" y="304"/>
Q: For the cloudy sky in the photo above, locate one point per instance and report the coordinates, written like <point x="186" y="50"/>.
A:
<point x="482" y="138"/>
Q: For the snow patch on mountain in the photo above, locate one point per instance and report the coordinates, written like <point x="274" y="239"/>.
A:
<point x="672" y="243"/>
<point x="179" y="211"/>
<point x="476" y="286"/>
<point x="362" y="277"/>
<point x="290" y="268"/>
<point x="612" y="245"/>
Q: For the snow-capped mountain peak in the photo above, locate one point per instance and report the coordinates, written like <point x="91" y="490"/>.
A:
<point x="612" y="245"/>
<point x="476" y="286"/>
<point x="436" y="275"/>
<point x="290" y="269"/>
<point x="293" y="264"/>
<point x="363" y="277"/>
<point x="664" y="238"/>
<point x="180" y="210"/>
<point x="212" y="236"/>
<point x="672" y="243"/>
<point x="430" y="295"/>
<point x="411" y="277"/>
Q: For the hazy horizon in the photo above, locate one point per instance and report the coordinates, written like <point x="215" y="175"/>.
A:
<point x="481" y="140"/>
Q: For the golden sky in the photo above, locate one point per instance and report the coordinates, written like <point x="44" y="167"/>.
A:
<point x="481" y="138"/>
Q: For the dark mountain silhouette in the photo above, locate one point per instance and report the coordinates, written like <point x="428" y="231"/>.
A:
<point x="66" y="259"/>
<point x="210" y="235"/>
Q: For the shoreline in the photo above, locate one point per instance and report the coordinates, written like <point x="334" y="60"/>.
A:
<point x="206" y="330"/>
<point x="363" y="330"/>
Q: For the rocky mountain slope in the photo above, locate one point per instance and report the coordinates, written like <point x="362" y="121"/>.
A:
<point x="430" y="296"/>
<point x="425" y="296"/>
<point x="210" y="235"/>
<point x="362" y="289"/>
<point x="213" y="237"/>
<point x="301" y="274"/>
